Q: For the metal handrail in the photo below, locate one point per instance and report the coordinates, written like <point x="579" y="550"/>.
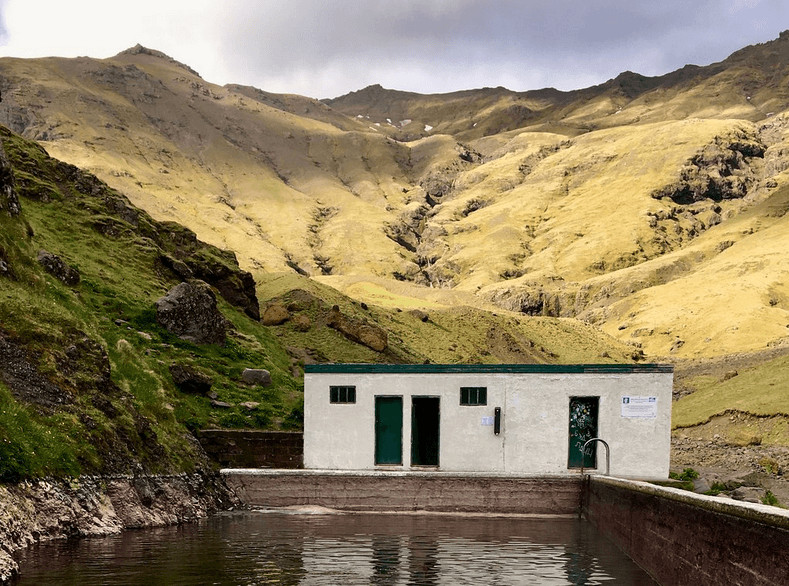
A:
<point x="607" y="455"/>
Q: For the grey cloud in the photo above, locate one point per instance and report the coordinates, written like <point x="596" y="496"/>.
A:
<point x="563" y="42"/>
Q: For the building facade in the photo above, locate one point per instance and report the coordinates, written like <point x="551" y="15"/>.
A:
<point x="500" y="419"/>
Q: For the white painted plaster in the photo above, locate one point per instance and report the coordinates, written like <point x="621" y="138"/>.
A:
<point x="535" y="421"/>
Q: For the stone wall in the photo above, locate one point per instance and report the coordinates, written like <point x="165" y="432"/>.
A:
<point x="412" y="491"/>
<point x="253" y="449"/>
<point x="682" y="538"/>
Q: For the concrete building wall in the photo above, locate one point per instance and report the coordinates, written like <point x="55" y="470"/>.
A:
<point x="534" y="436"/>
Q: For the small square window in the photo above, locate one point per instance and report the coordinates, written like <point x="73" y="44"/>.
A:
<point x="473" y="395"/>
<point x="342" y="394"/>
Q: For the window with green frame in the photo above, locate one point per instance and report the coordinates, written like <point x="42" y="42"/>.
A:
<point x="473" y="395"/>
<point x="342" y="394"/>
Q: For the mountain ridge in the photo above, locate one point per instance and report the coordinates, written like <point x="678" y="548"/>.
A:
<point x="503" y="195"/>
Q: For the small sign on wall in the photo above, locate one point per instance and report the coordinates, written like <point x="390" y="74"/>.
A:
<point x="644" y="407"/>
<point x="487" y="421"/>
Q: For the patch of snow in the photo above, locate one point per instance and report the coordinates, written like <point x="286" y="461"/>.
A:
<point x="378" y="124"/>
<point x="428" y="128"/>
<point x="405" y="122"/>
<point x="389" y="120"/>
<point x="373" y="128"/>
<point x="474" y="125"/>
<point x="360" y="116"/>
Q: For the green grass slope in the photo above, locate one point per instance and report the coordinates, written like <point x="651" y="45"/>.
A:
<point x="85" y="381"/>
<point x="100" y="396"/>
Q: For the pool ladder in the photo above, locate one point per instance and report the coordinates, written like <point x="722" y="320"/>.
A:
<point x="607" y="455"/>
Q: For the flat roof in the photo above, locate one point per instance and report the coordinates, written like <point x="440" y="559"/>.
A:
<point x="485" y="368"/>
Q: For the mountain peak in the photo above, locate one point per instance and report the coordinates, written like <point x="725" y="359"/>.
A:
<point x="138" y="49"/>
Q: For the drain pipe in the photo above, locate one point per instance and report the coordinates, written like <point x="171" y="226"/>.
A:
<point x="607" y="455"/>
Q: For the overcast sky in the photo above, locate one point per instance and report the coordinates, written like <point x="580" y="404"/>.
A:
<point x="328" y="48"/>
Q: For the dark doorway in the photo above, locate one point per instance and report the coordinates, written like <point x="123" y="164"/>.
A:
<point x="583" y="427"/>
<point x="388" y="430"/>
<point x="425" y="418"/>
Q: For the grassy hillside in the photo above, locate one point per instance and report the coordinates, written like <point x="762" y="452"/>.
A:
<point x="619" y="204"/>
<point x="651" y="211"/>
<point x="85" y="368"/>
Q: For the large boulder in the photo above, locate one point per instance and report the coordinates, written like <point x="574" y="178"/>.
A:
<point x="189" y="311"/>
<point x="274" y="315"/>
<point x="358" y="331"/>
<point x="256" y="376"/>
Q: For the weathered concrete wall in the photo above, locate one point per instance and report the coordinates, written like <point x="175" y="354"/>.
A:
<point x="253" y="449"/>
<point x="412" y="491"/>
<point x="682" y="538"/>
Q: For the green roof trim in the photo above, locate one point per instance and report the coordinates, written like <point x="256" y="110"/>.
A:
<point x="486" y="368"/>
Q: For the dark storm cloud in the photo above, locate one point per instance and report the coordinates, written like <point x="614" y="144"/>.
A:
<point x="328" y="48"/>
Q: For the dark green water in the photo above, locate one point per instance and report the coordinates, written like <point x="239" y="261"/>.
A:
<point x="256" y="548"/>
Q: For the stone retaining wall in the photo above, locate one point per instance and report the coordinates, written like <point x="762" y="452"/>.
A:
<point x="682" y="538"/>
<point x="407" y="491"/>
<point x="232" y="448"/>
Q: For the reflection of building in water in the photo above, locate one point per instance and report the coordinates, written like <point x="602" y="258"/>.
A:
<point x="423" y="566"/>
<point x="386" y="559"/>
<point x="390" y="550"/>
<point x="341" y="561"/>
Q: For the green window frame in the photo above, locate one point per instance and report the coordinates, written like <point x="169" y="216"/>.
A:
<point x="473" y="396"/>
<point x="342" y="394"/>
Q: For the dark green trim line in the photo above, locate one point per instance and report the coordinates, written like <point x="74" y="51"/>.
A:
<point x="486" y="368"/>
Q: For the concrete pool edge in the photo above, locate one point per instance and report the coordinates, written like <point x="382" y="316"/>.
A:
<point x="683" y="538"/>
<point x="397" y="490"/>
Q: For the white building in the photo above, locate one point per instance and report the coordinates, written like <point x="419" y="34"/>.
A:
<point x="504" y="419"/>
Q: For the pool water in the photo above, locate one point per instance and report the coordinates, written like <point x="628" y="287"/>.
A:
<point x="254" y="548"/>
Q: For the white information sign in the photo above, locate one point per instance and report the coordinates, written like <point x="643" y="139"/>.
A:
<point x="645" y="407"/>
<point x="487" y="421"/>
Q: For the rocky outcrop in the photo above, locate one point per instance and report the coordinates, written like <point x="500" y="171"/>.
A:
<point x="58" y="268"/>
<point x="20" y="374"/>
<point x="302" y="323"/>
<point x="189" y="311"/>
<point x="237" y="287"/>
<point x="9" y="200"/>
<point x="190" y="380"/>
<point x="722" y="170"/>
<point x="358" y="331"/>
<point x="42" y="510"/>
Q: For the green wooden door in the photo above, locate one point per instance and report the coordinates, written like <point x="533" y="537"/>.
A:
<point x="388" y="430"/>
<point x="583" y="427"/>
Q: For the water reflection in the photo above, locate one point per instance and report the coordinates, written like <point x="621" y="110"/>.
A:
<point x="253" y="549"/>
<point x="423" y="561"/>
<point x="386" y="559"/>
